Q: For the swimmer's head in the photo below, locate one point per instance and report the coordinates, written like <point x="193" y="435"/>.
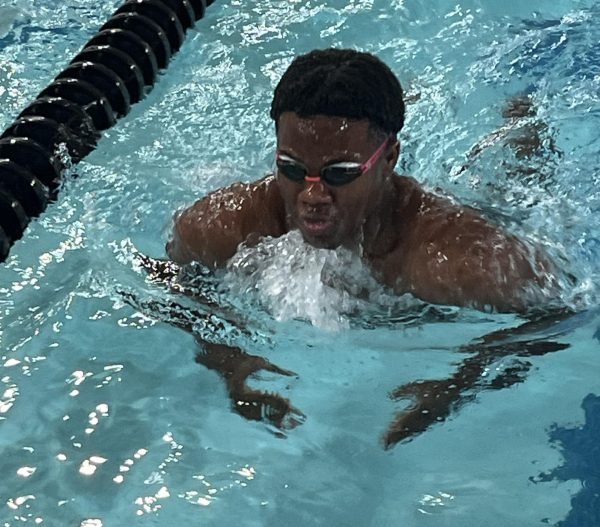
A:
<point x="341" y="83"/>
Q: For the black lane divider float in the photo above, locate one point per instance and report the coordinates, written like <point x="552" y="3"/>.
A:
<point x="109" y="74"/>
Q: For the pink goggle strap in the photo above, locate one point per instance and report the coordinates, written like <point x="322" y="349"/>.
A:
<point x="373" y="159"/>
<point x="364" y="167"/>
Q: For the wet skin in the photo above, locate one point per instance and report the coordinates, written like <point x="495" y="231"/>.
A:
<point x="354" y="215"/>
<point x="414" y="241"/>
<point x="431" y="401"/>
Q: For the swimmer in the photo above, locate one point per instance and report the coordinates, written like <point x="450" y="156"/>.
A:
<point x="337" y="116"/>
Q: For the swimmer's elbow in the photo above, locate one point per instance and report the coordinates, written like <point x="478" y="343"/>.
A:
<point x="527" y="285"/>
<point x="206" y="246"/>
<point x="179" y="247"/>
<point x="177" y="253"/>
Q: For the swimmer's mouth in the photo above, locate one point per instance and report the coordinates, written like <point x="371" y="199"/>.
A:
<point x="316" y="225"/>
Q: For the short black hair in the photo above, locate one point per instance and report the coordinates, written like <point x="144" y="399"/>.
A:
<point x="341" y="83"/>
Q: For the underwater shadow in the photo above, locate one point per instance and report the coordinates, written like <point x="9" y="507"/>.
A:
<point x="432" y="401"/>
<point x="581" y="452"/>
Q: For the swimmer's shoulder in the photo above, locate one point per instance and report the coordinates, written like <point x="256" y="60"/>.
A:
<point x="428" y="213"/>
<point x="211" y="229"/>
<point x="452" y="254"/>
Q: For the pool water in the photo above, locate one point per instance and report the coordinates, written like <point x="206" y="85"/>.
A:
<point x="106" y="418"/>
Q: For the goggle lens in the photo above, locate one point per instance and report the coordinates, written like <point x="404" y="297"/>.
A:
<point x="336" y="174"/>
<point x="291" y="169"/>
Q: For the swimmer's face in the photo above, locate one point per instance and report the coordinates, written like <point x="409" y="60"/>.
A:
<point x="329" y="216"/>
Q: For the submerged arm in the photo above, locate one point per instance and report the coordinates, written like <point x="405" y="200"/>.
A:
<point x="231" y="362"/>
<point x="522" y="131"/>
<point x="236" y="366"/>
<point x="434" y="400"/>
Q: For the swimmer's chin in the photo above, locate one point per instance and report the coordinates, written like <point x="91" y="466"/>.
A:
<point x="318" y="242"/>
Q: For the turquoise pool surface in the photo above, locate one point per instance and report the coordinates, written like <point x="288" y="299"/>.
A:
<point x="105" y="417"/>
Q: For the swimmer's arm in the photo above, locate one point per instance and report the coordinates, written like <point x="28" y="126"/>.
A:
<point x="231" y="362"/>
<point x="522" y="132"/>
<point x="434" y="400"/>
<point x="461" y="259"/>
<point x="211" y="230"/>
<point x="236" y="367"/>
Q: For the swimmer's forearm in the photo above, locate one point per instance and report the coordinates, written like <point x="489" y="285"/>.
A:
<point x="435" y="400"/>
<point x="235" y="366"/>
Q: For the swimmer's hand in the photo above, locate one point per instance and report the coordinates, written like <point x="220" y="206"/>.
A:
<point x="236" y="366"/>
<point x="258" y="405"/>
<point x="432" y="402"/>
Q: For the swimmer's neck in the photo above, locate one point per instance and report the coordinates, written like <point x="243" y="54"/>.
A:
<point x="381" y="233"/>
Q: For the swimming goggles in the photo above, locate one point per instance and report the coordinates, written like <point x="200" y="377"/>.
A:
<point x="336" y="174"/>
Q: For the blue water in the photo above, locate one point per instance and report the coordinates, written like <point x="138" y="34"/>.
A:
<point x="105" y="418"/>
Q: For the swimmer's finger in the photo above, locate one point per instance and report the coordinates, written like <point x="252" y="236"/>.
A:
<point x="281" y="412"/>
<point x="433" y="389"/>
<point x="268" y="406"/>
<point x="292" y="418"/>
<point x="410" y="423"/>
<point x="268" y="366"/>
<point x="431" y="402"/>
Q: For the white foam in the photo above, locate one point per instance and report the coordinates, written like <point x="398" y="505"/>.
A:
<point x="294" y="280"/>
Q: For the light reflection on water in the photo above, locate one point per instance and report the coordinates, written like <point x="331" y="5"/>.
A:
<point x="104" y="418"/>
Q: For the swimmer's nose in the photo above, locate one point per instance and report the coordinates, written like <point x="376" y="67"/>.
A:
<point x="315" y="195"/>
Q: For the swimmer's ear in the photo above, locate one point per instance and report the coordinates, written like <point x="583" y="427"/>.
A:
<point x="392" y="154"/>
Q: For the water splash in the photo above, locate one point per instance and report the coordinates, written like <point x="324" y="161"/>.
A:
<point x="294" y="280"/>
